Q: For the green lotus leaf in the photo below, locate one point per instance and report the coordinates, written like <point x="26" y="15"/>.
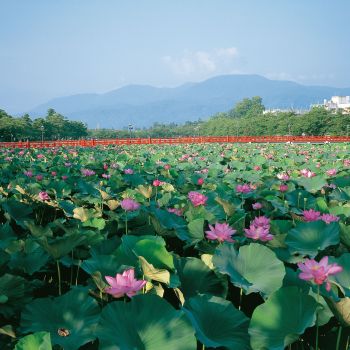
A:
<point x="312" y="184"/>
<point x="281" y="319"/>
<point x="107" y="265"/>
<point x="70" y="319"/>
<point x="255" y="268"/>
<point x="218" y="323"/>
<point x="342" y="278"/>
<point x="14" y="292"/>
<point x="98" y="223"/>
<point x="345" y="234"/>
<point x="308" y="238"/>
<point x="61" y="246"/>
<point x="197" y="278"/>
<point x="148" y="322"/>
<point x="152" y="248"/>
<point x="31" y="259"/>
<point x="17" y="210"/>
<point x="36" y="341"/>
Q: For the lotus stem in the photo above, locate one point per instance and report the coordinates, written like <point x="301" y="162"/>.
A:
<point x="240" y="298"/>
<point x="76" y="278"/>
<point x="318" y="297"/>
<point x="71" y="270"/>
<point x="347" y="343"/>
<point x="338" y="337"/>
<point x="126" y="223"/>
<point x="59" y="277"/>
<point x="203" y="347"/>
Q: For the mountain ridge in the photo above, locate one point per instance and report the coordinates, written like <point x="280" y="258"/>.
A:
<point x="142" y="105"/>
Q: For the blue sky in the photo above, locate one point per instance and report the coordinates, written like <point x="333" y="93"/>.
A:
<point x="52" y="48"/>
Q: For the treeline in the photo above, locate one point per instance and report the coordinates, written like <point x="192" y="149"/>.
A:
<point x="246" y="118"/>
<point x="53" y="126"/>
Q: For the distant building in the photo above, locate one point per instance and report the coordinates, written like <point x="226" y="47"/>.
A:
<point x="338" y="103"/>
<point x="279" y="110"/>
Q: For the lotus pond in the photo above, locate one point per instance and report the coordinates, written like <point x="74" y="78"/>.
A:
<point x="211" y="246"/>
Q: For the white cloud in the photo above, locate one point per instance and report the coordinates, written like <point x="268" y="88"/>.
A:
<point x="200" y="64"/>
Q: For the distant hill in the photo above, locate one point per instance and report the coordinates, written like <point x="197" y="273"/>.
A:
<point x="143" y="105"/>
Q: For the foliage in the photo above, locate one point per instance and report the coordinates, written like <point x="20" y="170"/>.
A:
<point x="60" y="252"/>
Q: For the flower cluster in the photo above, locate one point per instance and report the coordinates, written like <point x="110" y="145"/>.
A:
<point x="312" y="215"/>
<point x="129" y="204"/>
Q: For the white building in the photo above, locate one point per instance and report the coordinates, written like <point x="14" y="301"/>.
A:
<point x="338" y="102"/>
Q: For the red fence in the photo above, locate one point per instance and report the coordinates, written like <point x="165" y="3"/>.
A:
<point x="157" y="141"/>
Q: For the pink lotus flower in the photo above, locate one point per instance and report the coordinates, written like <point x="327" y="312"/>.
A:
<point x="328" y="218"/>
<point x="346" y="162"/>
<point x="258" y="233"/>
<point x="318" y="272"/>
<point x="105" y="166"/>
<point x="200" y="181"/>
<point x="124" y="283"/>
<point x="283" y="188"/>
<point x="39" y="156"/>
<point x="39" y="177"/>
<point x="197" y="198"/>
<point x="67" y="164"/>
<point x="257" y="167"/>
<point x="175" y="211"/>
<point x="307" y="173"/>
<point x="220" y="232"/>
<point x="311" y="215"/>
<point x="106" y="176"/>
<point x="64" y="177"/>
<point x="43" y="196"/>
<point x="331" y="172"/>
<point x="53" y="173"/>
<point x="128" y="171"/>
<point x="261" y="221"/>
<point x="129" y="204"/>
<point x="28" y="173"/>
<point x="167" y="166"/>
<point x="87" y="172"/>
<point x="257" y="206"/>
<point x="157" y="183"/>
<point x="283" y="176"/>
<point x="243" y="188"/>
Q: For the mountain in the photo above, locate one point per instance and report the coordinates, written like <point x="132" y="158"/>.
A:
<point x="142" y="105"/>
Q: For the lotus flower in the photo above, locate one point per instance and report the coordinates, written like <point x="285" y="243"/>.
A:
<point x="157" y="183"/>
<point x="87" y="172"/>
<point x="328" y="218"/>
<point x="257" y="206"/>
<point x="128" y="171"/>
<point x="43" y="196"/>
<point x="243" y="188"/>
<point x="175" y="211"/>
<point x="200" y="181"/>
<point x="124" y="283"/>
<point x="283" y="176"/>
<point x="261" y="221"/>
<point x="220" y="232"/>
<point x="28" y="173"/>
<point x="331" y="172"/>
<point x="258" y="233"/>
<point x="129" y="204"/>
<point x="318" y="272"/>
<point x="197" y="198"/>
<point x="311" y="215"/>
<point x="307" y="173"/>
<point x="283" y="188"/>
